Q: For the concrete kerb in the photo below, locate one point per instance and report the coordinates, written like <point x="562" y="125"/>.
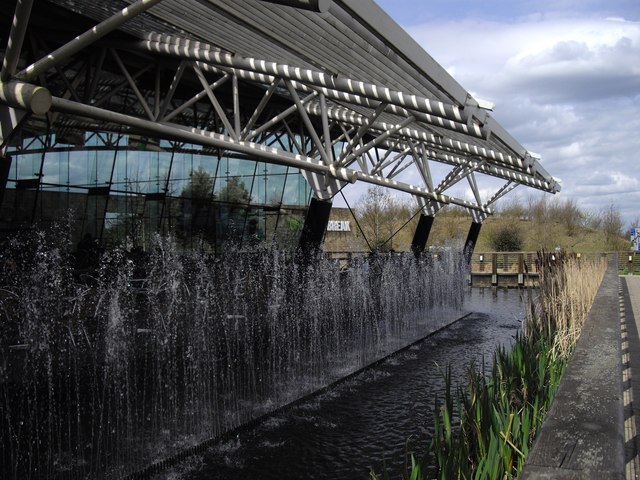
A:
<point x="583" y="434"/>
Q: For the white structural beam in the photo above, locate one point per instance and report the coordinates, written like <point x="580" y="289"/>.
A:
<point x="471" y="178"/>
<point x="175" y="81"/>
<point x="133" y="86"/>
<point x="472" y="129"/>
<point x="392" y="130"/>
<point x="307" y="122"/>
<point x="270" y="154"/>
<point x="355" y="140"/>
<point x="349" y="116"/>
<point x="214" y="101"/>
<point x="195" y="99"/>
<point x="87" y="38"/>
<point x="16" y="39"/>
<point x="457" y="174"/>
<point x="273" y="122"/>
<point x="260" y="108"/>
<point x="506" y="188"/>
<point x="380" y="93"/>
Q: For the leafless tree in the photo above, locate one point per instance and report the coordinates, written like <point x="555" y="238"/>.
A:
<point x="380" y="215"/>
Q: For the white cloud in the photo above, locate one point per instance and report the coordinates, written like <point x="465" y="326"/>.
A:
<point x="557" y="60"/>
<point x="568" y="88"/>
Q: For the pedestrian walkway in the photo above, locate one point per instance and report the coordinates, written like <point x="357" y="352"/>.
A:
<point x="630" y="326"/>
<point x="582" y="437"/>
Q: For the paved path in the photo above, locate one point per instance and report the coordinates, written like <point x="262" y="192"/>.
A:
<point x="582" y="436"/>
<point x="630" y="325"/>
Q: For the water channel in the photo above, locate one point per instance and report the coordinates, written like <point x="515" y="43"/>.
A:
<point x="374" y="418"/>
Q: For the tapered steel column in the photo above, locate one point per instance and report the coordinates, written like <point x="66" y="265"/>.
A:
<point x="5" y="168"/>
<point x="421" y="234"/>
<point x="315" y="225"/>
<point x="472" y="238"/>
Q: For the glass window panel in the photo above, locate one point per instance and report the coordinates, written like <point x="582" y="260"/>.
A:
<point x="77" y="168"/>
<point x="288" y="227"/>
<point x="260" y="185"/>
<point x="164" y="165"/>
<point x="254" y="227"/>
<point x="234" y="181"/>
<point x="207" y="163"/>
<point x="297" y="190"/>
<point x="28" y="165"/>
<point x="153" y="181"/>
<point x="221" y="176"/>
<point x="275" y="185"/>
<point x="104" y="165"/>
<point x="135" y="171"/>
<point x="234" y="166"/>
<point x="92" y="140"/>
<point x="120" y="176"/>
<point x="182" y="167"/>
<point x="56" y="169"/>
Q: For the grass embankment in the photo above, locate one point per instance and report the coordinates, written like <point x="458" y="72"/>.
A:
<point x="484" y="431"/>
<point x="535" y="235"/>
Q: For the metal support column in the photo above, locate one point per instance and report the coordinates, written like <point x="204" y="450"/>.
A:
<point x="315" y="225"/>
<point x="5" y="168"/>
<point x="421" y="234"/>
<point x="472" y="238"/>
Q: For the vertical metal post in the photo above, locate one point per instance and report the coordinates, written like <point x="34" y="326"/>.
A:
<point x="236" y="105"/>
<point x="494" y="269"/>
<point x="5" y="168"/>
<point x="472" y="238"/>
<point x="325" y="127"/>
<point x="521" y="269"/>
<point x="156" y="99"/>
<point x="421" y="234"/>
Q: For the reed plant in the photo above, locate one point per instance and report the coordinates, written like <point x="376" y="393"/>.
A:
<point x="485" y="430"/>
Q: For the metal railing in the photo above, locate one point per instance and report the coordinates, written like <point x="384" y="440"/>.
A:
<point x="629" y="263"/>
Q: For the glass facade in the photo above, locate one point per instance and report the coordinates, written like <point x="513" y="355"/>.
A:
<point x="121" y="189"/>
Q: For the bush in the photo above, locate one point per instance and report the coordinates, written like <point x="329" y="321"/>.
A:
<point x="506" y="238"/>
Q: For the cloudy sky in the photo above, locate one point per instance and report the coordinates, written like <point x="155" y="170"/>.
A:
<point x="565" y="78"/>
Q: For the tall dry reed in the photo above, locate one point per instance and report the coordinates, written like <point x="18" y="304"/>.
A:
<point x="500" y="413"/>
<point x="568" y="285"/>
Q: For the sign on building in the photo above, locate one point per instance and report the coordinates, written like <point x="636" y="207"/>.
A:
<point x="339" y="226"/>
<point x="635" y="239"/>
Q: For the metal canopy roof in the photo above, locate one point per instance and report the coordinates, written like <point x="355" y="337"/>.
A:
<point x="338" y="72"/>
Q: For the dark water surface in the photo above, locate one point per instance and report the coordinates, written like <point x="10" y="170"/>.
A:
<point x="377" y="416"/>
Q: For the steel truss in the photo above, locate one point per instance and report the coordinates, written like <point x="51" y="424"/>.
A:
<point x="341" y="130"/>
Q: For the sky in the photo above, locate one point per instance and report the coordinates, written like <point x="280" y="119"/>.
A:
<point x="565" y="78"/>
